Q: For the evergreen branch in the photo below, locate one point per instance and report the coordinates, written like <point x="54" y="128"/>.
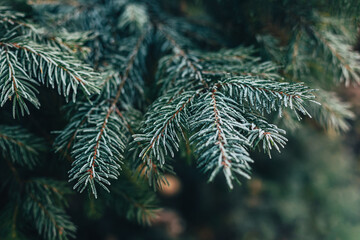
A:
<point x="62" y="40"/>
<point x="267" y="95"/>
<point x="160" y="137"/>
<point x="259" y="131"/>
<point x="44" y="204"/>
<point x="333" y="113"/>
<point x="15" y="83"/>
<point x="97" y="153"/>
<point x="50" y="221"/>
<point x="217" y="138"/>
<point x="19" y="145"/>
<point x="54" y="63"/>
<point x="51" y="192"/>
<point x="166" y="128"/>
<point x="47" y="65"/>
<point x="244" y="79"/>
<point x="345" y="59"/>
<point x="190" y="62"/>
<point x="102" y="139"/>
<point x="134" y="17"/>
<point x="66" y="138"/>
<point x="142" y="209"/>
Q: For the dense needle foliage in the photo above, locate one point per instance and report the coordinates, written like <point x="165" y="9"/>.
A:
<point x="108" y="92"/>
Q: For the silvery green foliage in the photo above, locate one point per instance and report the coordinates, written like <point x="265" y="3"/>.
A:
<point x="220" y="101"/>
<point x="217" y="124"/>
<point x="327" y="42"/>
<point x="265" y="96"/>
<point x="26" y="64"/>
<point x="100" y="126"/>
<point x="320" y="50"/>
<point x="98" y="149"/>
<point x="339" y="50"/>
<point x="98" y="133"/>
<point x="134" y="17"/>
<point x="219" y="98"/>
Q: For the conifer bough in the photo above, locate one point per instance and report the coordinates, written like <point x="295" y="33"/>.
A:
<point x="108" y="57"/>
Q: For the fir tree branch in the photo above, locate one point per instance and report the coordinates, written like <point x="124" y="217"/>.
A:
<point x="178" y="50"/>
<point x="341" y="52"/>
<point x="158" y="138"/>
<point x="58" y="225"/>
<point x="260" y="131"/>
<point x="217" y="137"/>
<point x="268" y="95"/>
<point x="239" y="77"/>
<point x="19" y="145"/>
<point x="220" y="139"/>
<point x="98" y="151"/>
<point x="48" y="66"/>
<point x="16" y="84"/>
<point x="146" y="211"/>
<point x="43" y="205"/>
<point x="68" y="67"/>
<point x="333" y="113"/>
<point x="105" y="136"/>
<point x="171" y="120"/>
